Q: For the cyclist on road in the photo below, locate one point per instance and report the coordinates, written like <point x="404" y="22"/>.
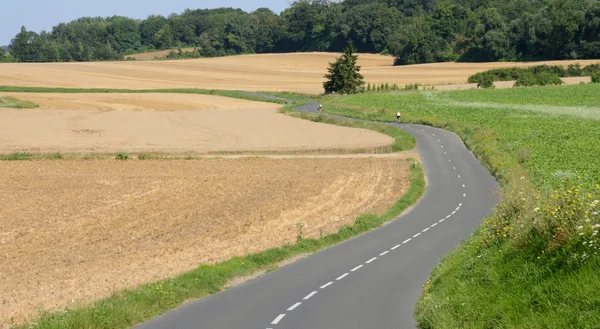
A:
<point x="398" y="117"/>
<point x="320" y="108"/>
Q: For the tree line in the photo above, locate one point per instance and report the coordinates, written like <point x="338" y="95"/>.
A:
<point x="413" y="31"/>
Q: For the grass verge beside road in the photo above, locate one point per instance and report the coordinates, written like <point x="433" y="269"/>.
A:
<point x="403" y="141"/>
<point x="14" y="103"/>
<point x="130" y="307"/>
<point x="534" y="262"/>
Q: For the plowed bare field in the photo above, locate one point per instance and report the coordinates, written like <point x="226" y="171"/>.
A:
<point x="72" y="231"/>
<point x="167" y="123"/>
<point x="297" y="72"/>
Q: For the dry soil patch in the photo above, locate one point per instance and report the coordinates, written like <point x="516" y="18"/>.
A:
<point x="297" y="72"/>
<point x="168" y="123"/>
<point x="72" y="231"/>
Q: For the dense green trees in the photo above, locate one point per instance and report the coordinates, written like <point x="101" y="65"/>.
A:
<point x="414" y="31"/>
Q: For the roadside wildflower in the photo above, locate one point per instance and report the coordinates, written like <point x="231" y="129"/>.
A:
<point x="579" y="228"/>
<point x="536" y="209"/>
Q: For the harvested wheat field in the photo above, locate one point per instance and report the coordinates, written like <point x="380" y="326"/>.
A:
<point x="296" y="72"/>
<point x="72" y="231"/>
<point x="168" y="123"/>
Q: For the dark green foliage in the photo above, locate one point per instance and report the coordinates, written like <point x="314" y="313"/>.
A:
<point x="542" y="79"/>
<point x="596" y="78"/>
<point x="122" y="156"/>
<point x="516" y="73"/>
<point x="344" y="75"/>
<point x="485" y="80"/>
<point x="412" y="31"/>
<point x="180" y="54"/>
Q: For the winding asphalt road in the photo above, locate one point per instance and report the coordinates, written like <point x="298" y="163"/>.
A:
<point x="371" y="281"/>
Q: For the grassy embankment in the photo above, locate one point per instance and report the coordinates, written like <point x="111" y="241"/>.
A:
<point x="14" y="103"/>
<point x="534" y="262"/>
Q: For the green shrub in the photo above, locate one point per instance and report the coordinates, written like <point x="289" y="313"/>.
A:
<point x="591" y="69"/>
<point x="544" y="78"/>
<point x="122" y="156"/>
<point x="485" y="81"/>
<point x="411" y="86"/>
<point x="574" y="70"/>
<point x="596" y="77"/>
<point x="516" y="73"/>
<point x="547" y="78"/>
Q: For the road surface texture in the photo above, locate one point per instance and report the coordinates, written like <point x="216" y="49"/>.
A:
<point x="373" y="280"/>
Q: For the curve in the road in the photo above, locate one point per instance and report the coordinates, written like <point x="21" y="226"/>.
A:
<point x="370" y="281"/>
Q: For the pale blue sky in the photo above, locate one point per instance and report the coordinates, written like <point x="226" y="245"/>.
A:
<point x="38" y="15"/>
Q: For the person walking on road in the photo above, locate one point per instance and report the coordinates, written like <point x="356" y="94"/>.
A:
<point x="320" y="108"/>
<point x="398" y="117"/>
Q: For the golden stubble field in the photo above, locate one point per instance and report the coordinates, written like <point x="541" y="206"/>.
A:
<point x="296" y="72"/>
<point x="75" y="230"/>
<point x="167" y="123"/>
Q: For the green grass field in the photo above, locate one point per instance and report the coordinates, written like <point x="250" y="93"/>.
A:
<point x="14" y="103"/>
<point x="549" y="130"/>
<point x="535" y="262"/>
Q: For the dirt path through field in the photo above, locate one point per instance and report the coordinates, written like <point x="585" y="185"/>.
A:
<point x="167" y="123"/>
<point x="73" y="231"/>
<point x="296" y="72"/>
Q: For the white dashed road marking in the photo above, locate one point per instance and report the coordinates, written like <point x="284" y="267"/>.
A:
<point x="326" y="285"/>
<point x="278" y="318"/>
<point x="342" y="276"/>
<point x="356" y="268"/>
<point x="294" y="306"/>
<point x="310" y="295"/>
